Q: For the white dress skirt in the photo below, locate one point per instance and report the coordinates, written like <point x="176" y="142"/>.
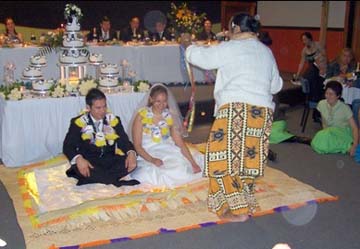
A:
<point x="176" y="169"/>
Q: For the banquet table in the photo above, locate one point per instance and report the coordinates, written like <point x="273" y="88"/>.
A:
<point x="156" y="63"/>
<point x="32" y="130"/>
<point x="350" y="93"/>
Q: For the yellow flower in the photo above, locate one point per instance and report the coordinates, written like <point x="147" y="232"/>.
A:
<point x="111" y="136"/>
<point x="80" y="122"/>
<point x="164" y="131"/>
<point x="15" y="94"/>
<point x="86" y="136"/>
<point x="119" y="152"/>
<point x="2" y="95"/>
<point x="100" y="143"/>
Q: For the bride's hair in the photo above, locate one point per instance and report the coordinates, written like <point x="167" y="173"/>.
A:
<point x="156" y="90"/>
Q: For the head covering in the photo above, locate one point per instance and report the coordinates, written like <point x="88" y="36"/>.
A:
<point x="173" y="109"/>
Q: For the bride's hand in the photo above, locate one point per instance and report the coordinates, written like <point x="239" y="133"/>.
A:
<point x="196" y="168"/>
<point x="157" y="162"/>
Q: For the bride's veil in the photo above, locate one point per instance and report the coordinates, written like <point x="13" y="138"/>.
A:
<point x="172" y="106"/>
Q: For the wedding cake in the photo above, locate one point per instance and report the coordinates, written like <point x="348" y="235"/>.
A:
<point x="42" y="85"/>
<point x="37" y="60"/>
<point x="109" y="75"/>
<point x="109" y="69"/>
<point x="108" y="82"/>
<point x="32" y="73"/>
<point x="96" y="58"/>
<point x="73" y="49"/>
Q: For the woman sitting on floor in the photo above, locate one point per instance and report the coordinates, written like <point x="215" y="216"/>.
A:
<point x="340" y="132"/>
<point x="157" y="133"/>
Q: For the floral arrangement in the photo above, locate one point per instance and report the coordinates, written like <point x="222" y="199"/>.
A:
<point x="51" y="41"/>
<point x="184" y="20"/>
<point x="142" y="86"/>
<point x="72" y="10"/>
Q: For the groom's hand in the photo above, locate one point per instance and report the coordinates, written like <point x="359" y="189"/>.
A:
<point x="130" y="162"/>
<point x="83" y="166"/>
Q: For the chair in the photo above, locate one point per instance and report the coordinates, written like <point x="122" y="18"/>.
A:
<point x="309" y="105"/>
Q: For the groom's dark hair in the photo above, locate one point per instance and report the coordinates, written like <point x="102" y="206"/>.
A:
<point x="92" y="95"/>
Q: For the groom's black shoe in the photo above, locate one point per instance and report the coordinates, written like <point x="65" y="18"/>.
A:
<point x="129" y="182"/>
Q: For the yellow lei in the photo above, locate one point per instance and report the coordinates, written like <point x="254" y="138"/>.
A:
<point x="158" y="132"/>
<point x="100" y="138"/>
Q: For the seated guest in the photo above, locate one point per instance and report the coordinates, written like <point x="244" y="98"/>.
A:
<point x="10" y="32"/>
<point x="133" y="31"/>
<point x="207" y="34"/>
<point x="105" y="33"/>
<point x="164" y="158"/>
<point x="97" y="146"/>
<point x="343" y="66"/>
<point x="160" y="33"/>
<point x="339" y="133"/>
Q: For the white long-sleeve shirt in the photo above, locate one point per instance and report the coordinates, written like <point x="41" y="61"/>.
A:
<point x="246" y="71"/>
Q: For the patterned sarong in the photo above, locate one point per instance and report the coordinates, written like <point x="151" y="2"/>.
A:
<point x="236" y="154"/>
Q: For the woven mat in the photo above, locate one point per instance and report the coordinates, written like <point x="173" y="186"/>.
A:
<point x="137" y="214"/>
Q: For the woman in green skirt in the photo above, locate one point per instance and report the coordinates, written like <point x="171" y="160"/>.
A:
<point x="340" y="132"/>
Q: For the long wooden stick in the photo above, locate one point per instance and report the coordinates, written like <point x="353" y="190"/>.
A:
<point x="324" y="22"/>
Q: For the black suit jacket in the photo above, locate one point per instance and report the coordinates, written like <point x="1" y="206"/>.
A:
<point x="126" y="34"/>
<point x="203" y="36"/>
<point x="112" y="35"/>
<point x="165" y="35"/>
<point x="74" y="144"/>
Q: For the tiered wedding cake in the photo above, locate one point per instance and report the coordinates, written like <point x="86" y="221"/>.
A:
<point x="109" y="75"/>
<point x="73" y="50"/>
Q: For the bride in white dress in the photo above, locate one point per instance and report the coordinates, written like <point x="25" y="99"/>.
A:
<point x="164" y="159"/>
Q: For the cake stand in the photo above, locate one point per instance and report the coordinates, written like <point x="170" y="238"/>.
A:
<point x="97" y="68"/>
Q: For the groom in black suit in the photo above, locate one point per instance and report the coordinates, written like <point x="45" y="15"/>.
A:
<point x="104" y="33"/>
<point x="97" y="146"/>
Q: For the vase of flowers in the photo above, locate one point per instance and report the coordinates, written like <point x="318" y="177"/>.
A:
<point x="72" y="11"/>
<point x="184" y="20"/>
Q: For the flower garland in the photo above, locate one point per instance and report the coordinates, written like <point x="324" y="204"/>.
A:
<point x="160" y="131"/>
<point x="106" y="136"/>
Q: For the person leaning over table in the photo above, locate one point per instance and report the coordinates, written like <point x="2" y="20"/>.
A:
<point x="97" y="146"/>
<point x="238" y="143"/>
<point x="340" y="133"/>
<point x="314" y="55"/>
<point x="133" y="31"/>
<point x="11" y="35"/>
<point x="104" y="33"/>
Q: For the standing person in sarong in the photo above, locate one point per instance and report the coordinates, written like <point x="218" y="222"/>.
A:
<point x="238" y="143"/>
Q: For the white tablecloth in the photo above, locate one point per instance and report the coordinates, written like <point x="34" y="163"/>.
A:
<point x="34" y="129"/>
<point x="350" y="93"/>
<point x="152" y="63"/>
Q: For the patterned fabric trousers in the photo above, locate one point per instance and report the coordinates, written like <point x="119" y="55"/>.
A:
<point x="236" y="154"/>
